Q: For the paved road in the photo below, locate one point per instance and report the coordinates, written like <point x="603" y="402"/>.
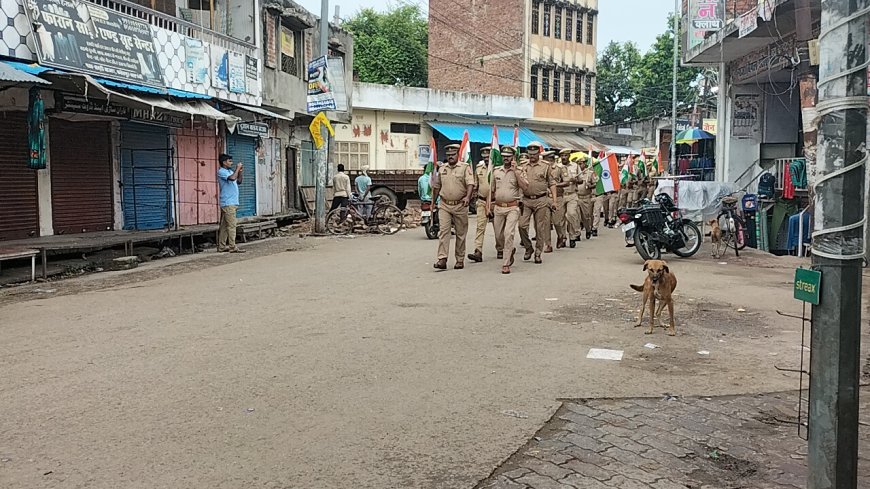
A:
<point x="354" y="364"/>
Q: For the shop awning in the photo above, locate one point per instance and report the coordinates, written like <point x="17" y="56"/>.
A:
<point x="11" y="74"/>
<point x="480" y="133"/>
<point x="622" y="150"/>
<point x="571" y="140"/>
<point x="156" y="91"/>
<point x="255" y="110"/>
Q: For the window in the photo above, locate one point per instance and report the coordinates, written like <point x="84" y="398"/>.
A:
<point x="579" y="35"/>
<point x="352" y="155"/>
<point x="578" y="88"/>
<point x="536" y="16"/>
<point x="587" y="100"/>
<point x="547" y="19"/>
<point x="557" y="78"/>
<point x="590" y="29"/>
<point x="404" y="128"/>
<point x="534" y="91"/>
<point x="557" y="26"/>
<point x="566" y="97"/>
<point x="569" y="24"/>
<point x="545" y="85"/>
<point x="289" y="51"/>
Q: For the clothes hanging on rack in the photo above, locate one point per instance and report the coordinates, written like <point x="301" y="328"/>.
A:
<point x="798" y="168"/>
<point x="787" y="184"/>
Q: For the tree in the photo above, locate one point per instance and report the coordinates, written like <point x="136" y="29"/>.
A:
<point x="615" y="91"/>
<point x="391" y="47"/>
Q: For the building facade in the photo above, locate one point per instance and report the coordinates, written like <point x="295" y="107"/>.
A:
<point x="543" y="50"/>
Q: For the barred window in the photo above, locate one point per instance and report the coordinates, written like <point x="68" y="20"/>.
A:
<point x="590" y="29"/>
<point x="569" y="24"/>
<point x="557" y="25"/>
<point x="536" y="16"/>
<point x="547" y="9"/>
<point x="290" y="47"/>
<point x="557" y="91"/>
<point x="578" y="88"/>
<point x="587" y="100"/>
<point x="579" y="36"/>
<point x="534" y="83"/>
<point x="545" y="86"/>
<point x="566" y="96"/>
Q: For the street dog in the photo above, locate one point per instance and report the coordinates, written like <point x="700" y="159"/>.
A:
<point x="715" y="236"/>
<point x="658" y="286"/>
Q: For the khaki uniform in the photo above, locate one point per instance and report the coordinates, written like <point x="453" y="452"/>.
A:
<point x="453" y="183"/>
<point x="598" y="207"/>
<point x="559" y="174"/>
<point x="481" y="180"/>
<point x="612" y="205"/>
<point x="585" y="191"/>
<point x="506" y="209"/>
<point x="536" y="203"/>
<point x="571" y="202"/>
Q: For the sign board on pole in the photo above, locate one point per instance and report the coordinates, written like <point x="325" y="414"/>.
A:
<point x="252" y="129"/>
<point x="747" y="23"/>
<point x="704" y="16"/>
<point x="320" y="94"/>
<point x="424" y="151"/>
<point x="807" y="285"/>
<point x="83" y="37"/>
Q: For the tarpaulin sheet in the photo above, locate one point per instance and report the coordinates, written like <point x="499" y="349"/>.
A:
<point x="699" y="201"/>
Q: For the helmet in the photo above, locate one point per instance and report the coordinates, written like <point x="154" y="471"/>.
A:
<point x="665" y="200"/>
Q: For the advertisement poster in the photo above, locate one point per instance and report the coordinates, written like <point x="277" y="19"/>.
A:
<point x="704" y="16"/>
<point x="251" y="74"/>
<point x="220" y="70"/>
<point x="337" y="82"/>
<point x="746" y="112"/>
<point x="236" y="72"/>
<point x="747" y="23"/>
<point x="83" y="37"/>
<point x="320" y="96"/>
<point x="196" y="61"/>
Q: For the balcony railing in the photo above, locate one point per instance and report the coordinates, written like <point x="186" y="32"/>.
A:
<point x="180" y="26"/>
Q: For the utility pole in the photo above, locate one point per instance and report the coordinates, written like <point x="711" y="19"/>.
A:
<point x="673" y="160"/>
<point x="838" y="245"/>
<point x="322" y="152"/>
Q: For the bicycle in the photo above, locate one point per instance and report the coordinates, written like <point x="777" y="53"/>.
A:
<point x="385" y="218"/>
<point x="733" y="227"/>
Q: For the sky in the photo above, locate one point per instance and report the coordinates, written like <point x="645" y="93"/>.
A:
<point x="620" y="20"/>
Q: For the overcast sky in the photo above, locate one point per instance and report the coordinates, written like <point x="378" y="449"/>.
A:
<point x="620" y="20"/>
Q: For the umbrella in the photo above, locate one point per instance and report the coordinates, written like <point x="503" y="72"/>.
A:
<point x="694" y="134"/>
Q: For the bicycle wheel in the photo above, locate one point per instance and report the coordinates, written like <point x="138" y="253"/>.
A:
<point x="389" y="219"/>
<point x="339" y="221"/>
<point x="647" y="247"/>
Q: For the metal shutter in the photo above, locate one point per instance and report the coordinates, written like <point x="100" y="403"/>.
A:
<point x="146" y="176"/>
<point x="81" y="176"/>
<point x="19" y="201"/>
<point x="243" y="149"/>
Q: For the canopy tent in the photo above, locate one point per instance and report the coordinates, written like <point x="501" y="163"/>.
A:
<point x="482" y="133"/>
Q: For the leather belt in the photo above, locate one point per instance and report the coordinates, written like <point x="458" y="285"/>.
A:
<point x="508" y="204"/>
<point x="451" y="202"/>
<point x="533" y="197"/>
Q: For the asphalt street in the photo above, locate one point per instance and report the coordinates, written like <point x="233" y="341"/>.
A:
<point x="352" y="363"/>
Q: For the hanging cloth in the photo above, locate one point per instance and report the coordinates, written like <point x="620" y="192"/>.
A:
<point x="787" y="184"/>
<point x="798" y="167"/>
<point x="36" y="130"/>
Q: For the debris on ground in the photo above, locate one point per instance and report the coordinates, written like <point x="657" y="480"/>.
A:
<point x="651" y="346"/>
<point x="515" y="414"/>
<point x="703" y="352"/>
<point x="166" y="252"/>
<point x="604" y="354"/>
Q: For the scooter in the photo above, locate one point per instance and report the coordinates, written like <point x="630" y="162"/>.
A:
<point x="429" y="220"/>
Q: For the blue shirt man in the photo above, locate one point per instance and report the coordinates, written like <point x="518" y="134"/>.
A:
<point x="229" y="181"/>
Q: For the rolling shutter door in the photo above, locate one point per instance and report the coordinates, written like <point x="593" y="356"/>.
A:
<point x="19" y="202"/>
<point x="146" y="176"/>
<point x="81" y="176"/>
<point x="243" y="149"/>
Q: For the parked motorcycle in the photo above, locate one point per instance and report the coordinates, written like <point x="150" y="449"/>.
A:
<point x="429" y="220"/>
<point x="659" y="225"/>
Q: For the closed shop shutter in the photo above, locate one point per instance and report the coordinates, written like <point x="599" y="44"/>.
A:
<point x="146" y="176"/>
<point x="81" y="176"/>
<point x="244" y="149"/>
<point x="197" y="176"/>
<point x="19" y="201"/>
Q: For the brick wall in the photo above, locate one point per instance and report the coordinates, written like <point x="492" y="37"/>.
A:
<point x="462" y="33"/>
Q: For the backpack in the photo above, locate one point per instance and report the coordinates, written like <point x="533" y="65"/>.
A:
<point x="766" y="185"/>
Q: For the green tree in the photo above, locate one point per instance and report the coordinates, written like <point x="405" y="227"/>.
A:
<point x="390" y="47"/>
<point x="653" y="78"/>
<point x="615" y="92"/>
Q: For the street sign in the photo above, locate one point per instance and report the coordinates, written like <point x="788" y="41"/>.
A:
<point x="807" y="285"/>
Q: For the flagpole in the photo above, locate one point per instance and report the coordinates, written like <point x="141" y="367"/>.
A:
<point x="673" y="161"/>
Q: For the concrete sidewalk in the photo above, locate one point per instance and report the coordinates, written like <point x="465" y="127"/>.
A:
<point x="670" y="443"/>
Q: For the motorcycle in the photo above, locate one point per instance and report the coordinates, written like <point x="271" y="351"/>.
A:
<point x="429" y="219"/>
<point x="659" y="225"/>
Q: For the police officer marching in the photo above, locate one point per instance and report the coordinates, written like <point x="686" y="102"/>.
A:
<point x="539" y="200"/>
<point x="454" y="184"/>
<point x="503" y="203"/>
<point x="571" y="201"/>
<point x="586" y="182"/>
<point x="482" y="184"/>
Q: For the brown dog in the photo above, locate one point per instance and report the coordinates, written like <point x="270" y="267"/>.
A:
<point x="659" y="285"/>
<point x="715" y="236"/>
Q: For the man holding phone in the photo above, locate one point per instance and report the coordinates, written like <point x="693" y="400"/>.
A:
<point x="229" y="181"/>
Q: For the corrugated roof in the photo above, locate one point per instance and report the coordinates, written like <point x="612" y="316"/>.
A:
<point x="480" y="133"/>
<point x="571" y="140"/>
<point x="11" y="73"/>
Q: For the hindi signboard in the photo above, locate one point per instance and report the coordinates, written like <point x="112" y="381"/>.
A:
<point x="83" y="37"/>
<point x="747" y="23"/>
<point x="320" y="95"/>
<point x="704" y="16"/>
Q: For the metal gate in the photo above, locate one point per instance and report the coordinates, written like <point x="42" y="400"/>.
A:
<point x="243" y="149"/>
<point x="197" y="181"/>
<point x="81" y="177"/>
<point x="19" y="201"/>
<point x="269" y="178"/>
<point x="146" y="176"/>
